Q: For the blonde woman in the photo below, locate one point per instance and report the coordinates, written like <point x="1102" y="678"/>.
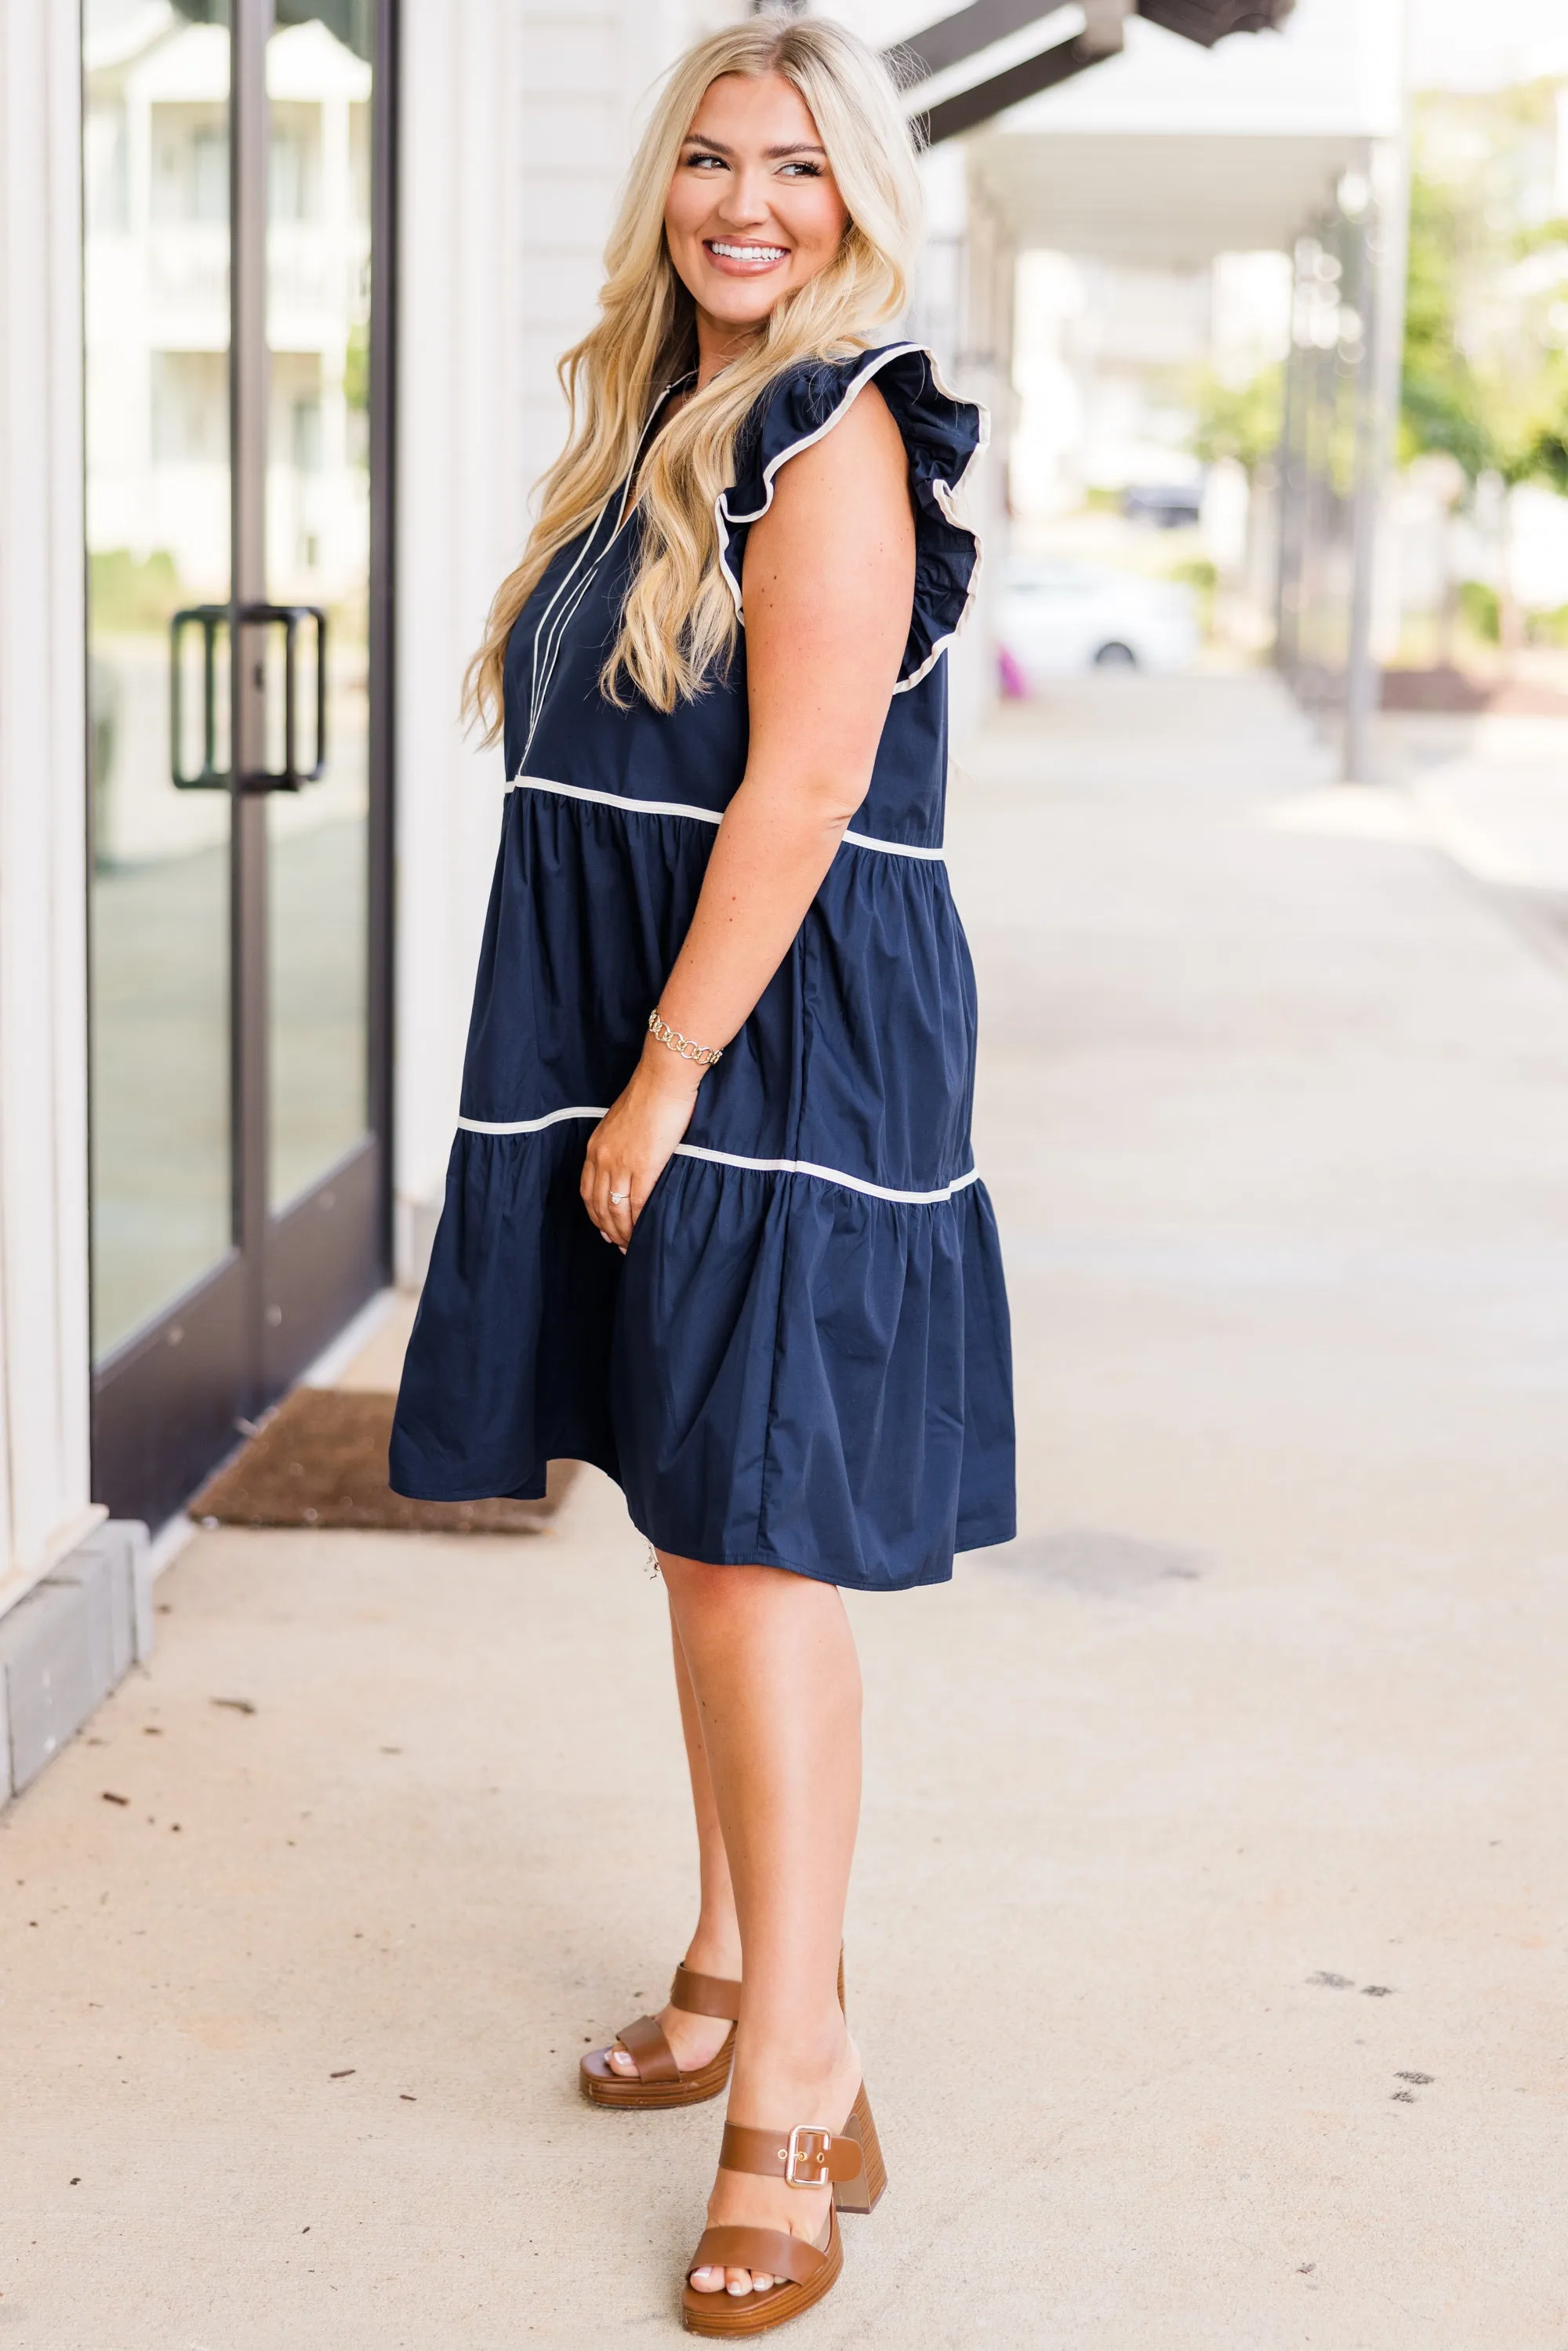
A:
<point x="712" y="1221"/>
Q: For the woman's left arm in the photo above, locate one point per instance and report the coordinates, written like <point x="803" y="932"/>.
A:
<point x="830" y="585"/>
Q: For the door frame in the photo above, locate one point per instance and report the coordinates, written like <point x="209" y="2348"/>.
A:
<point x="172" y="1399"/>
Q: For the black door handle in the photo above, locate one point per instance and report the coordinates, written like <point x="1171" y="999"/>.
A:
<point x="292" y="774"/>
<point x="210" y="618"/>
<point x="209" y="777"/>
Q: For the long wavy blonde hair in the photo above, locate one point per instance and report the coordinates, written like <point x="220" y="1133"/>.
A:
<point x="679" y="621"/>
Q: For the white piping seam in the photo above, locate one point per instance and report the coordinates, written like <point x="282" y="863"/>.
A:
<point x="568" y="612"/>
<point x="879" y="359"/>
<point x="572" y="569"/>
<point x="894" y="848"/>
<point x="540" y="687"/>
<point x="616" y="799"/>
<point x="734" y="1159"/>
<point x="945" y="494"/>
<point x="828" y="1176"/>
<point x="724" y="519"/>
<point x="722" y="514"/>
<point x="544" y="620"/>
<point x="702" y="815"/>
<point x="528" y="1126"/>
<point x="558" y="629"/>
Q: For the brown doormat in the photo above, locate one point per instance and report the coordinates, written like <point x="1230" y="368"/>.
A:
<point x="321" y="1461"/>
<point x="1455" y="691"/>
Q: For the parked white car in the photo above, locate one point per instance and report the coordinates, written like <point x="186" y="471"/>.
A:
<point x="1057" y="615"/>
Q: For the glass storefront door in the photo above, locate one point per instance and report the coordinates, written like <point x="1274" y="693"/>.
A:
<point x="318" y="553"/>
<point x="236" y="206"/>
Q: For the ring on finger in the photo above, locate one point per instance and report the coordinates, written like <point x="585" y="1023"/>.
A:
<point x="619" y="1200"/>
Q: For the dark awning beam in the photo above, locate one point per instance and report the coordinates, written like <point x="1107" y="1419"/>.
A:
<point x="971" y="30"/>
<point x="1208" y="21"/>
<point x="1101" y="37"/>
<point x="953" y="38"/>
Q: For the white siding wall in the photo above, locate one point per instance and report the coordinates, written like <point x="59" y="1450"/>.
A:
<point x="461" y="481"/>
<point x="517" y="120"/>
<point x="589" y="71"/>
<point x="43" y="948"/>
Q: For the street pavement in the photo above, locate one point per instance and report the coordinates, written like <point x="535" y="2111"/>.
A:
<point x="1206" y="1948"/>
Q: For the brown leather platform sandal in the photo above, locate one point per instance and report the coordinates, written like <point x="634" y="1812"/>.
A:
<point x="659" y="2081"/>
<point x="849" y="2160"/>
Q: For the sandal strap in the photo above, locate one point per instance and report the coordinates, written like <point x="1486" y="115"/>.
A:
<point x="772" y="2252"/>
<point x="650" y="2051"/>
<point x="805" y="2157"/>
<point x="702" y="1995"/>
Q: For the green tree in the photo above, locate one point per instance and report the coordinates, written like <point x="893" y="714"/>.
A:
<point x="356" y="368"/>
<point x="1485" y="380"/>
<point x="1441" y="400"/>
<point x="1542" y="425"/>
<point x="1240" y="420"/>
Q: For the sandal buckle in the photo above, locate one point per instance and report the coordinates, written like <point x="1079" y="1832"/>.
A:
<point x="809" y="2144"/>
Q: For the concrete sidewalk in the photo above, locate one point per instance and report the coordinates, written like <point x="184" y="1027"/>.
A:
<point x="1208" y="1942"/>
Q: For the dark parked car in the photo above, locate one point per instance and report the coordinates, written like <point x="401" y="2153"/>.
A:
<point x="1167" y="504"/>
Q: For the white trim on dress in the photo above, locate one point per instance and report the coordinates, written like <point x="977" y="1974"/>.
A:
<point x="616" y="800"/>
<point x="734" y="1159"/>
<point x="893" y="848"/>
<point x="530" y="1125"/>
<point x="703" y="815"/>
<point x="828" y="1176"/>
<point x="539" y="686"/>
<point x="944" y="491"/>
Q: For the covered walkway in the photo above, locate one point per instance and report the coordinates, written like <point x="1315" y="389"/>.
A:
<point x="1206" y="1948"/>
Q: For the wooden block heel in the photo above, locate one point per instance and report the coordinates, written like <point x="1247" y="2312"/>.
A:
<point x="849" y="2161"/>
<point x="862" y="2193"/>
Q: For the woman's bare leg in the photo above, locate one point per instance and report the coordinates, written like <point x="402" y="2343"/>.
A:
<point x="777" y="1683"/>
<point x="715" y="1949"/>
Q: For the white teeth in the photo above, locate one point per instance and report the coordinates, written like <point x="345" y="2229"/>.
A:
<point x="749" y="252"/>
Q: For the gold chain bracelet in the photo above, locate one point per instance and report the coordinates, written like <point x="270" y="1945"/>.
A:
<point x="703" y="1055"/>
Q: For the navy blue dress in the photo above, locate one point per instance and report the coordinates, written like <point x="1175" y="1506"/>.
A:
<point x="803" y="1359"/>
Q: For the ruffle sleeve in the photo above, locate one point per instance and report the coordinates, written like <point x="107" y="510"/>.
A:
<point x="942" y="435"/>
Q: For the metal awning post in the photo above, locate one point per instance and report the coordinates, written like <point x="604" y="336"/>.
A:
<point x="1387" y="243"/>
<point x="1361" y="672"/>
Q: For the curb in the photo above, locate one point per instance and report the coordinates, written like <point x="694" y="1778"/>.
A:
<point x="69" y="1643"/>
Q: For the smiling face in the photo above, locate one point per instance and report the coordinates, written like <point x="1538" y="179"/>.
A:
<point x="753" y="210"/>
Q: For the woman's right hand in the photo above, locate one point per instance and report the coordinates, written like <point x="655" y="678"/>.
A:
<point x="632" y="1143"/>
